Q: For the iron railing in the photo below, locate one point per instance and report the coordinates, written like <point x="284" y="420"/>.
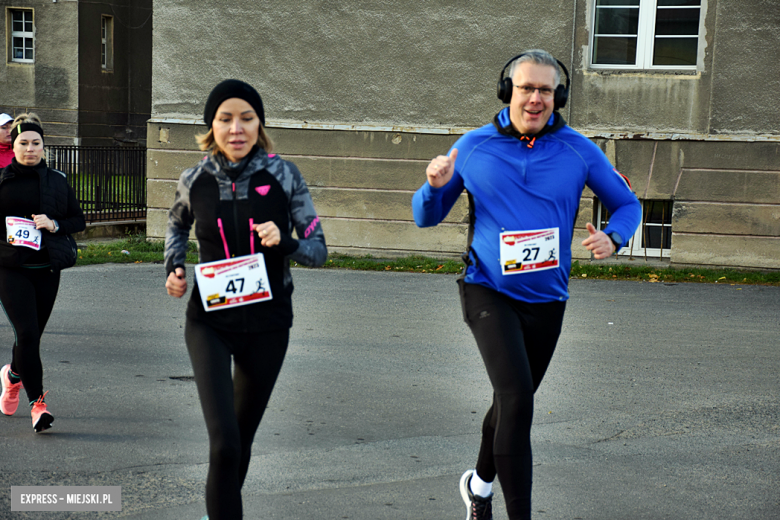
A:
<point x="109" y="181"/>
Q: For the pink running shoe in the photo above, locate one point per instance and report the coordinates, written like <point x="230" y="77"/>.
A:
<point x="9" y="399"/>
<point x="41" y="418"/>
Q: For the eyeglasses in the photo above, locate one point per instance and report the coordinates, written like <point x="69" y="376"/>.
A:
<point x="544" y="92"/>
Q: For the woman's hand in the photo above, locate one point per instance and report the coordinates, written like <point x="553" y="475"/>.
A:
<point x="44" y="222"/>
<point x="268" y="233"/>
<point x="176" y="284"/>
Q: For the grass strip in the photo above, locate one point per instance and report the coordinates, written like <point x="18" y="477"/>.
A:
<point x="135" y="249"/>
<point x="131" y="250"/>
<point x="674" y="274"/>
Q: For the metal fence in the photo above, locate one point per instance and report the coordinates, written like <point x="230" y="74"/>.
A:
<point x="109" y="181"/>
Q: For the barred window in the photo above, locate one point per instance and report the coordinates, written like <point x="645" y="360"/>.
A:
<point x="653" y="237"/>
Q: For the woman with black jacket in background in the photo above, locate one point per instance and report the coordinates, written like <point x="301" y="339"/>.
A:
<point x="40" y="212"/>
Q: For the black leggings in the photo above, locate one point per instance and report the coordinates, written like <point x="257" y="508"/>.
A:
<point x="232" y="405"/>
<point x="27" y="297"/>
<point x="517" y="341"/>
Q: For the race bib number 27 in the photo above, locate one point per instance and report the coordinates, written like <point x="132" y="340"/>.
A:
<point x="22" y="232"/>
<point x="526" y="251"/>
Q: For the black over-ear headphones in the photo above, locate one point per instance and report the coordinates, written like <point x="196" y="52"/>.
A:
<point x="505" y="85"/>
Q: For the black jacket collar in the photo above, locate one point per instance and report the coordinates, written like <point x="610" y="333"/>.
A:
<point x="14" y="169"/>
<point x="509" y="130"/>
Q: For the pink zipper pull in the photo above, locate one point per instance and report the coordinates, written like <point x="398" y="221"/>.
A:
<point x="224" y="241"/>
<point x="252" y="235"/>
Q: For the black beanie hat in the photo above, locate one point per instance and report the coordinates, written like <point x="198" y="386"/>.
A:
<point x="232" y="88"/>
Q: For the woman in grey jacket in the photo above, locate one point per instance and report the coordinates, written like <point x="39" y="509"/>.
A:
<point x="245" y="202"/>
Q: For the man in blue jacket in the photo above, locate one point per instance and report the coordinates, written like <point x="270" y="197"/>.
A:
<point x="524" y="175"/>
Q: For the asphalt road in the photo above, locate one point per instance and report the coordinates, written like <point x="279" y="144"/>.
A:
<point x="661" y="403"/>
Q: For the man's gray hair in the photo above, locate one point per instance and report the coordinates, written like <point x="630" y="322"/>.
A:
<point x="540" y="57"/>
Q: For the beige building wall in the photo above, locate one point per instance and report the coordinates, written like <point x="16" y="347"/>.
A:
<point x="726" y="197"/>
<point x="362" y="94"/>
<point x="361" y="182"/>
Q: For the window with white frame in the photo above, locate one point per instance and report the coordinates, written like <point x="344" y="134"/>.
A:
<point x="653" y="237"/>
<point x="646" y="34"/>
<point x="22" y="44"/>
<point x="107" y="42"/>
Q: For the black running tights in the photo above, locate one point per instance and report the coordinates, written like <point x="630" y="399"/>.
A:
<point x="517" y="341"/>
<point x="27" y="297"/>
<point x="232" y="405"/>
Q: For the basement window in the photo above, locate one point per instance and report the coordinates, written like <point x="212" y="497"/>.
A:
<point x="653" y="237"/>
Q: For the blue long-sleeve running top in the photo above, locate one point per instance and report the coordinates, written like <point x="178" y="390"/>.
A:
<point x="519" y="185"/>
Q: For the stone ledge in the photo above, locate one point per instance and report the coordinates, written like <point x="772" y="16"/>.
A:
<point x="119" y="229"/>
<point x="726" y="251"/>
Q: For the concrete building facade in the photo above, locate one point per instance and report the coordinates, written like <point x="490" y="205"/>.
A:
<point x="84" y="67"/>
<point x="680" y="94"/>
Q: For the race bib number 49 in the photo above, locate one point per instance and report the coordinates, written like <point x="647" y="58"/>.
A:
<point x="233" y="282"/>
<point x="22" y="232"/>
<point x="526" y="251"/>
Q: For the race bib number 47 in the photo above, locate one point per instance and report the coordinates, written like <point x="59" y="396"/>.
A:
<point x="526" y="251"/>
<point x="22" y="232"/>
<point x="233" y="282"/>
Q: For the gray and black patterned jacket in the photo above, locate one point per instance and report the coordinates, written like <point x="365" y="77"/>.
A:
<point x="267" y="189"/>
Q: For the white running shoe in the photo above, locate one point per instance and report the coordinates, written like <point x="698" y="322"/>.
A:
<point x="477" y="507"/>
